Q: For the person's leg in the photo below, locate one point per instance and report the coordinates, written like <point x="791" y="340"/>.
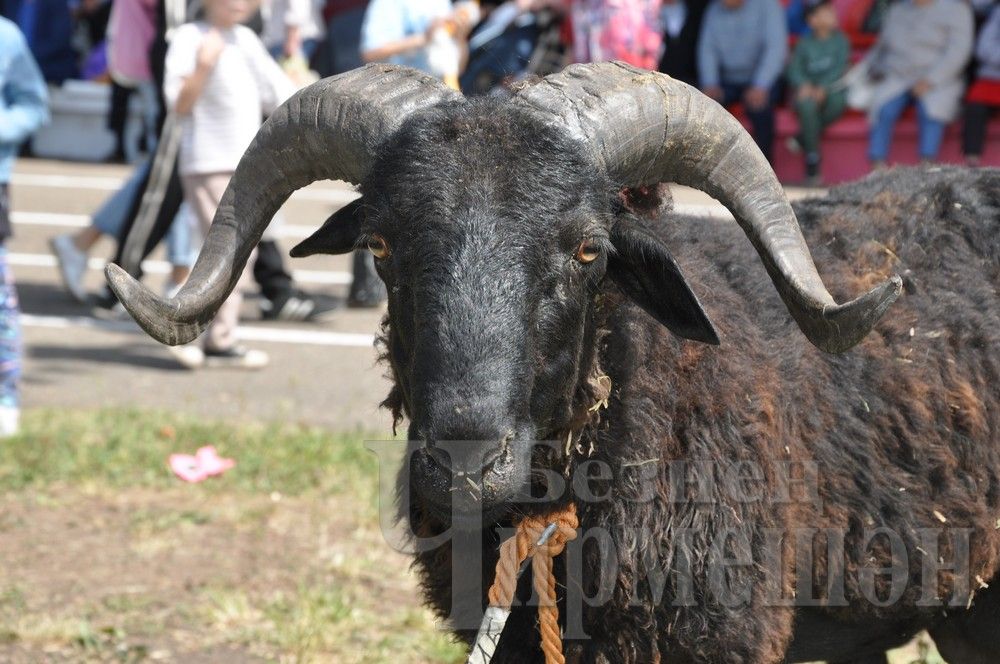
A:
<point x="173" y="196"/>
<point x="110" y="217"/>
<point x="150" y="113"/>
<point x="977" y="116"/>
<point x="828" y="112"/>
<point x="731" y="93"/>
<point x="203" y="193"/>
<point x="880" y="138"/>
<point x="117" y="118"/>
<point x="281" y="299"/>
<point x="180" y="250"/>
<point x="309" y="48"/>
<point x="931" y="134"/>
<point x="762" y="123"/>
<point x="344" y="36"/>
<point x="10" y="333"/>
<point x="269" y="271"/>
<point x="70" y="250"/>
<point x="367" y="289"/>
<point x="833" y="107"/>
<point x="810" y="130"/>
<point x="10" y="349"/>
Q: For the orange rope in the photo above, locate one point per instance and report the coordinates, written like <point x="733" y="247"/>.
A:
<point x="515" y="551"/>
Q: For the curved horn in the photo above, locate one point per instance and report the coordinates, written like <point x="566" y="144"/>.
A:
<point x="328" y="130"/>
<point x="647" y="128"/>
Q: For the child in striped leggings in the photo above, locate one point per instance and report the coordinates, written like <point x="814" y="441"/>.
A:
<point x="23" y="108"/>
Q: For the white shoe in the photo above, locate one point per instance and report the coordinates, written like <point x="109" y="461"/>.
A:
<point x="10" y="418"/>
<point x="72" y="265"/>
<point x="190" y="356"/>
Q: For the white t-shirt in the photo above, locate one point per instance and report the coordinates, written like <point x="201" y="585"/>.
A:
<point x="245" y="84"/>
<point x="279" y="14"/>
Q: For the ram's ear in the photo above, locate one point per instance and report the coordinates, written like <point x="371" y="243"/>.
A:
<point x="338" y="235"/>
<point x="646" y="272"/>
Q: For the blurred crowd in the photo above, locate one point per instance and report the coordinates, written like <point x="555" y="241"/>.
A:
<point x="208" y="71"/>
<point x="881" y="57"/>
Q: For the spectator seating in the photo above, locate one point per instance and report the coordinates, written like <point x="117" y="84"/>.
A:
<point x="845" y="143"/>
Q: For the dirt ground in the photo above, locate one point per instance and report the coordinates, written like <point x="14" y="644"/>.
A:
<point x="160" y="575"/>
<point x="146" y="575"/>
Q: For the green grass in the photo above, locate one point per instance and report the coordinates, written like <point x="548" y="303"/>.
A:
<point x="324" y="620"/>
<point x="329" y="610"/>
<point x="329" y="616"/>
<point x="129" y="448"/>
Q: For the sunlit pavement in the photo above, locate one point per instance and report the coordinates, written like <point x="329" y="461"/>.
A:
<point x="321" y="372"/>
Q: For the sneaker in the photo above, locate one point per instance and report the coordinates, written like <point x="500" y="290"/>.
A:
<point x="107" y="307"/>
<point x="189" y="356"/>
<point x="72" y="265"/>
<point x="793" y="144"/>
<point x="813" y="177"/>
<point x="291" y="306"/>
<point x="237" y="357"/>
<point x="10" y="419"/>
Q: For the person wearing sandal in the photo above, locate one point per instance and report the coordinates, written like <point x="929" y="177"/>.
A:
<point x="213" y="69"/>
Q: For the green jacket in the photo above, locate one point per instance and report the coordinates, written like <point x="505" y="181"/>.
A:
<point x="819" y="61"/>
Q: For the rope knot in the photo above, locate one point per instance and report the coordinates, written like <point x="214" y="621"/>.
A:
<point x="525" y="544"/>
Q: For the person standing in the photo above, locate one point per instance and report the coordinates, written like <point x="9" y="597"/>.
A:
<point x="23" y="109"/>
<point x="220" y="80"/>
<point x="400" y="32"/>
<point x="131" y="30"/>
<point x="984" y="95"/>
<point x="681" y="23"/>
<point x="741" y="55"/>
<point x="919" y="60"/>
<point x="292" y="28"/>
<point x="819" y="61"/>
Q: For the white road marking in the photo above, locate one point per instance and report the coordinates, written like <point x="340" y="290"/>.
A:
<point x="298" y="230"/>
<point x="82" y="221"/>
<point x="163" y="267"/>
<point x="712" y="209"/>
<point x="50" y="219"/>
<point x="246" y="332"/>
<point x="105" y="183"/>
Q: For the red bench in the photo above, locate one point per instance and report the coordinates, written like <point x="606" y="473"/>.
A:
<point x="845" y="146"/>
<point x="845" y="143"/>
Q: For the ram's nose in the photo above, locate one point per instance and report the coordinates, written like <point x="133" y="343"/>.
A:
<point x="470" y="457"/>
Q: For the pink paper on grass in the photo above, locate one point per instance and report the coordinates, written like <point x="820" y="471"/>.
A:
<point x="198" y="467"/>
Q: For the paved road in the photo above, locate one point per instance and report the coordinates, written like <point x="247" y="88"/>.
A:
<point x="322" y="373"/>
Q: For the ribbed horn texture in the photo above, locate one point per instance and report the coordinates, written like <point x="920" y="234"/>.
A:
<point x="645" y="128"/>
<point x="329" y="130"/>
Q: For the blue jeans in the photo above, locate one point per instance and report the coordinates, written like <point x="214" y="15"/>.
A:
<point x="761" y="119"/>
<point x="931" y="131"/>
<point x="308" y="48"/>
<point x="110" y="218"/>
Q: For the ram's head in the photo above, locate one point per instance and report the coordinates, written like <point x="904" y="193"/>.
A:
<point x="494" y="224"/>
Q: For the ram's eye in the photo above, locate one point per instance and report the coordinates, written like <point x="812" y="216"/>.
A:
<point x="587" y="252"/>
<point x="378" y="246"/>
